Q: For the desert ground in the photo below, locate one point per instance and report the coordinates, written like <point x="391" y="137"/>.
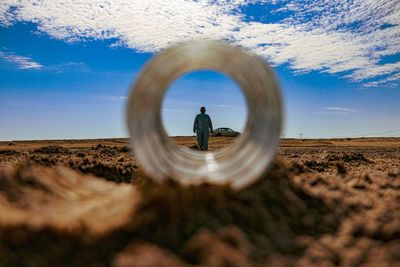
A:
<point x="324" y="202"/>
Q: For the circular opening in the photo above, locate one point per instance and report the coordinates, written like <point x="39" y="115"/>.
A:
<point x="240" y="164"/>
<point x="224" y="102"/>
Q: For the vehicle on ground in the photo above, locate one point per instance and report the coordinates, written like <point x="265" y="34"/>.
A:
<point x="226" y="132"/>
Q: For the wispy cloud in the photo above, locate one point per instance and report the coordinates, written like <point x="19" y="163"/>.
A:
<point x="118" y="98"/>
<point x="341" y="110"/>
<point x="375" y="71"/>
<point x="68" y="67"/>
<point x="21" y="62"/>
<point x="176" y="110"/>
<point x="389" y="79"/>
<point x="27" y="63"/>
<point x="347" y="37"/>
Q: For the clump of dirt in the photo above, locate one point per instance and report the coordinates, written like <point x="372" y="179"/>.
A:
<point x="52" y="150"/>
<point x="120" y="173"/>
<point x="354" y="157"/>
<point x="8" y="152"/>
<point x="317" y="166"/>
<point x="81" y="154"/>
<point x="348" y="157"/>
<point x="194" y="147"/>
<point x="341" y="169"/>
<point x="107" y="150"/>
<point x="125" y="149"/>
<point x="49" y="213"/>
<point x="146" y="255"/>
<point x="44" y="159"/>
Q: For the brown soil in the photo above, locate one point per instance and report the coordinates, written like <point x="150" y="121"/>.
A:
<point x="86" y="203"/>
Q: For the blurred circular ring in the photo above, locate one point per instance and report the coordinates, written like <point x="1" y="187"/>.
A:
<point x="240" y="164"/>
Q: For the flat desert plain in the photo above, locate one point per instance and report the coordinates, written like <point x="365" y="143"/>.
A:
<point x="324" y="202"/>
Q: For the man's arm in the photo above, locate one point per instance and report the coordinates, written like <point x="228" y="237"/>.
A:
<point x="210" y="124"/>
<point x="195" y="125"/>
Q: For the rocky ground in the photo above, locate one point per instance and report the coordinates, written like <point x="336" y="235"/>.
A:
<point x="86" y="203"/>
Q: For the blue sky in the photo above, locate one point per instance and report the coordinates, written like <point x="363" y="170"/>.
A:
<point x="66" y="68"/>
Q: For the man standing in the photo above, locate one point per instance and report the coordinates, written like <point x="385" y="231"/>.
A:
<point x="202" y="127"/>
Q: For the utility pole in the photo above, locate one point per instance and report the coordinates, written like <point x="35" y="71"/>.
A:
<point x="301" y="136"/>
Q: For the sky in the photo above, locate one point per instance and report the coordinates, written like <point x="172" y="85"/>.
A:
<point x="67" y="67"/>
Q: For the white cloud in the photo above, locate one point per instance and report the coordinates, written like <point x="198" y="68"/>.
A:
<point x="118" y="98"/>
<point x="337" y="110"/>
<point x="391" y="78"/>
<point x="23" y="62"/>
<point x="374" y="71"/>
<point x="343" y="36"/>
<point x="69" y="67"/>
<point x="20" y="61"/>
<point x="176" y="110"/>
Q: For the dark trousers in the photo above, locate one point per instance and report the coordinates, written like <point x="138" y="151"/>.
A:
<point x="202" y="139"/>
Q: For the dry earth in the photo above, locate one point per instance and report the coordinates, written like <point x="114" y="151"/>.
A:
<point x="86" y="203"/>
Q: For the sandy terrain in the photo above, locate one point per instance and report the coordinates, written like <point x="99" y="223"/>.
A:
<point x="330" y="202"/>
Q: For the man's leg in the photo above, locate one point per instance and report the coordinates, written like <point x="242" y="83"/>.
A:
<point x="202" y="141"/>
<point x="198" y="135"/>
<point x="206" y="136"/>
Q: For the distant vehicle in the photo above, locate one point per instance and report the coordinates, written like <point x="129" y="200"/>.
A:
<point x="227" y="132"/>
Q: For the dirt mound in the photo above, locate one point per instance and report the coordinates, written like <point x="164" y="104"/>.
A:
<point x="8" y="152"/>
<point x="316" y="165"/>
<point x="111" y="150"/>
<point x="120" y="173"/>
<point x="125" y="149"/>
<point x="348" y="157"/>
<point x="269" y="215"/>
<point x="49" y="212"/>
<point x="327" y="206"/>
<point x="52" y="150"/>
<point x="338" y="160"/>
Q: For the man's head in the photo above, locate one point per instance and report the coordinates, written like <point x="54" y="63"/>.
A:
<point x="203" y="110"/>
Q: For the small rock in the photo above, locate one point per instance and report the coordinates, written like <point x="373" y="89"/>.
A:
<point x="341" y="169"/>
